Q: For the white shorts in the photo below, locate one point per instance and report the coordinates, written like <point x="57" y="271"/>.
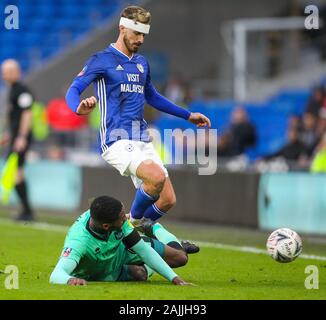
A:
<point x="127" y="155"/>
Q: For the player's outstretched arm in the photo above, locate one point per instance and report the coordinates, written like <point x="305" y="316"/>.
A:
<point x="62" y="273"/>
<point x="84" y="106"/>
<point x="161" y="103"/>
<point x="93" y="70"/>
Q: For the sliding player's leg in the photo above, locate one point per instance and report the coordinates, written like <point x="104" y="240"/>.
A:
<point x="134" y="273"/>
<point x="173" y="257"/>
<point x="157" y="231"/>
<point x="169" y="248"/>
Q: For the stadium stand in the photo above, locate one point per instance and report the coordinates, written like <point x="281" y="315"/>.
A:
<point x="65" y="23"/>
<point x="270" y="118"/>
<point x="68" y="22"/>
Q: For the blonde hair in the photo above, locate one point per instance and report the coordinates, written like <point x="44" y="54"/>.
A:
<point x="136" y="13"/>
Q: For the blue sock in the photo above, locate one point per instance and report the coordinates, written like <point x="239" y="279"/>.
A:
<point x="141" y="202"/>
<point x="153" y="212"/>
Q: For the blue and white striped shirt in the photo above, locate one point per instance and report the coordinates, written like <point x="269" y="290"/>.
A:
<point x="122" y="86"/>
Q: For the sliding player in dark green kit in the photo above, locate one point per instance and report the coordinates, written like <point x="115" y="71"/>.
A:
<point x="102" y="245"/>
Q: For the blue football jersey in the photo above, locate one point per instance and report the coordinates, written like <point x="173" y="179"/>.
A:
<point x="120" y="83"/>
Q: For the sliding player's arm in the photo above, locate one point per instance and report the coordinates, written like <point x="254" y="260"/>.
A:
<point x="150" y="257"/>
<point x="70" y="257"/>
<point x="93" y="70"/>
<point x="163" y="104"/>
<point x="62" y="273"/>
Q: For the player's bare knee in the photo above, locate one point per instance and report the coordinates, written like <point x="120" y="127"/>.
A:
<point x="152" y="175"/>
<point x="141" y="274"/>
<point x="179" y="259"/>
<point x="182" y="258"/>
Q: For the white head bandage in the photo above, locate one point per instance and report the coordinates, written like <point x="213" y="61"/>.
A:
<point x="134" y="25"/>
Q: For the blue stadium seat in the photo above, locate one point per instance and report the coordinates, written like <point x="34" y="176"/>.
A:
<point x="270" y="118"/>
<point x="40" y="20"/>
<point x="294" y="101"/>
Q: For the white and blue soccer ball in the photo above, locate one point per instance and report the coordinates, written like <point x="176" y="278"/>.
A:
<point x="284" y="245"/>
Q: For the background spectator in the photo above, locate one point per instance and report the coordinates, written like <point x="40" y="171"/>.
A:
<point x="321" y="125"/>
<point x="294" y="149"/>
<point x="308" y="132"/>
<point x="240" y="135"/>
<point x="177" y="91"/>
<point x="316" y="101"/>
<point x="295" y="122"/>
<point x="63" y="122"/>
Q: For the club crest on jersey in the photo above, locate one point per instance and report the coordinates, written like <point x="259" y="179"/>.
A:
<point x="129" y="147"/>
<point x="140" y="67"/>
<point x="118" y="235"/>
<point x="82" y="72"/>
<point x="66" y="252"/>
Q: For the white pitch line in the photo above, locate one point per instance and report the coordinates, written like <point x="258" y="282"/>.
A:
<point x="36" y="225"/>
<point x="250" y="250"/>
<point x="59" y="228"/>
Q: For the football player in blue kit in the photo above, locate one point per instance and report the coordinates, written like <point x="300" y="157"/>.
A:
<point x="122" y="82"/>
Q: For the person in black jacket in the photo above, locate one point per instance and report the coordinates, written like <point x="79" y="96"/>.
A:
<point x="239" y="136"/>
<point x="316" y="101"/>
<point x="293" y="150"/>
<point x="18" y="134"/>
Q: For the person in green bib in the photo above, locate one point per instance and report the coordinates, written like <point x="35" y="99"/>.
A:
<point x="102" y="245"/>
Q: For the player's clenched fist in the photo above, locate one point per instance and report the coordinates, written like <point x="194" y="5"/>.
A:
<point x="199" y="119"/>
<point x="77" y="282"/>
<point x="86" y="106"/>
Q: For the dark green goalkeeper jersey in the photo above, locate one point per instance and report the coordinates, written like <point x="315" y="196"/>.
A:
<point x="90" y="256"/>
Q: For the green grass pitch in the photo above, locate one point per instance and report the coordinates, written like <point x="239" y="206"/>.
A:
<point x="218" y="273"/>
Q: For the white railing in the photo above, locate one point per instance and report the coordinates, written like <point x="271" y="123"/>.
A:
<point x="238" y="31"/>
